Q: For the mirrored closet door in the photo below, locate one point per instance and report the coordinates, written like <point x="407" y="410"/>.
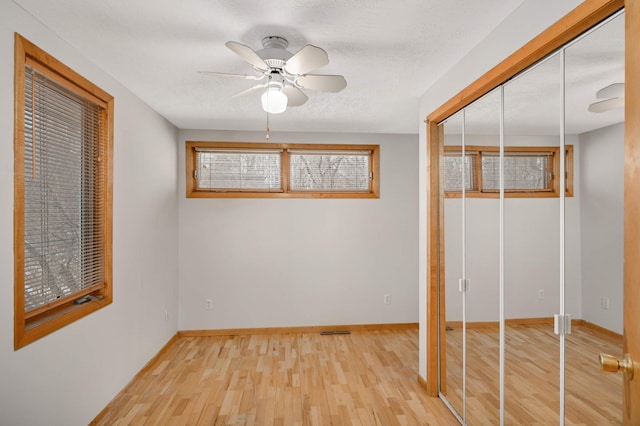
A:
<point x="532" y="229"/>
<point x="532" y="222"/>
<point x="594" y="76"/>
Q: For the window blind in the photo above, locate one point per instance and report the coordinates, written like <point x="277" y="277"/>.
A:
<point x="330" y="171"/>
<point x="454" y="165"/>
<point x="522" y="171"/>
<point x="63" y="211"/>
<point x="229" y="169"/>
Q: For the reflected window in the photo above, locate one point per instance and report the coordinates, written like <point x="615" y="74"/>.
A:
<point x="458" y="170"/>
<point x="522" y="171"/>
<point x="528" y="171"/>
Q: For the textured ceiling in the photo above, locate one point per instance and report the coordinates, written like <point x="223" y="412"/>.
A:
<point x="390" y="52"/>
<point x="533" y="99"/>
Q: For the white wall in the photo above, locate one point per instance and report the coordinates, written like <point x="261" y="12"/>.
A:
<point x="530" y="19"/>
<point x="68" y="377"/>
<point x="302" y="262"/>
<point x="602" y="204"/>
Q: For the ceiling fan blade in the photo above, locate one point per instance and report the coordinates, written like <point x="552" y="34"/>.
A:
<point x="615" y="90"/>
<point x="226" y="74"/>
<point x="296" y="96"/>
<point x="307" y="59"/>
<point x="250" y="90"/>
<point x="607" y="105"/>
<point x="322" y="83"/>
<point x="248" y="54"/>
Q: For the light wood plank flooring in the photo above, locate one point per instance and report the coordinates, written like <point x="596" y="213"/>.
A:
<point x="532" y="376"/>
<point x="366" y="378"/>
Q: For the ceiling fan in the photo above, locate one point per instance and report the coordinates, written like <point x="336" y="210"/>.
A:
<point x="286" y="74"/>
<point x="613" y="96"/>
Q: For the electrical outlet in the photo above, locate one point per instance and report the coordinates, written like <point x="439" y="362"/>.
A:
<point x="604" y="303"/>
<point x="166" y="314"/>
<point x="540" y="294"/>
<point x="387" y="299"/>
<point x="208" y="304"/>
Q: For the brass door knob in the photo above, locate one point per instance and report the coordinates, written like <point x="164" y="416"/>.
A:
<point x="612" y="364"/>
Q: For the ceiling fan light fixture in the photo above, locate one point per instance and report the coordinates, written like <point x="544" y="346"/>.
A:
<point x="287" y="73"/>
<point x="274" y="101"/>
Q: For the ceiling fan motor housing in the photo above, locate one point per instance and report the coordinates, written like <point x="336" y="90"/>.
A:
<point x="274" y="51"/>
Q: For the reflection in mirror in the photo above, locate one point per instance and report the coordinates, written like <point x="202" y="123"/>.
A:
<point x="594" y="75"/>
<point x="556" y="232"/>
<point x="532" y="265"/>
<point x="451" y="371"/>
<point x="482" y="134"/>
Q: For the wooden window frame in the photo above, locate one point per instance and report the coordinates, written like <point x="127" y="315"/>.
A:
<point x="193" y="192"/>
<point x="55" y="315"/>
<point x="552" y="192"/>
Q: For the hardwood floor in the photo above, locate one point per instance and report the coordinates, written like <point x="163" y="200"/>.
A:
<point x="532" y="376"/>
<point x="366" y="378"/>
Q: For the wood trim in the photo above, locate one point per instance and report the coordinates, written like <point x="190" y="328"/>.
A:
<point x="284" y="176"/>
<point x="554" y="150"/>
<point x="556" y="172"/>
<point x="239" y="194"/>
<point x="532" y="321"/>
<point x="282" y="146"/>
<point x="107" y="228"/>
<point x="148" y="366"/>
<point x="601" y="330"/>
<point x="568" y="169"/>
<point x="303" y="329"/>
<point x="583" y="17"/>
<point x="477" y="194"/>
<point x="375" y="170"/>
<point x="152" y="362"/>
<point x="18" y="190"/>
<point x="62" y="301"/>
<point x="580" y="19"/>
<point x="512" y="321"/>
<point x="435" y="258"/>
<point x="422" y="382"/>
<point x="65" y="82"/>
<point x="73" y="78"/>
<point x="190" y="167"/>
<point x="472" y="324"/>
<point x="631" y="343"/>
<point x="284" y="192"/>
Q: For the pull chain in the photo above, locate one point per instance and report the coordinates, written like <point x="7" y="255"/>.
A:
<point x="267" y="138"/>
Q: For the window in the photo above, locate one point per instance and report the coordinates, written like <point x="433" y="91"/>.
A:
<point x="528" y="171"/>
<point x="453" y="171"/>
<point x="238" y="170"/>
<point x="62" y="201"/>
<point x="223" y="169"/>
